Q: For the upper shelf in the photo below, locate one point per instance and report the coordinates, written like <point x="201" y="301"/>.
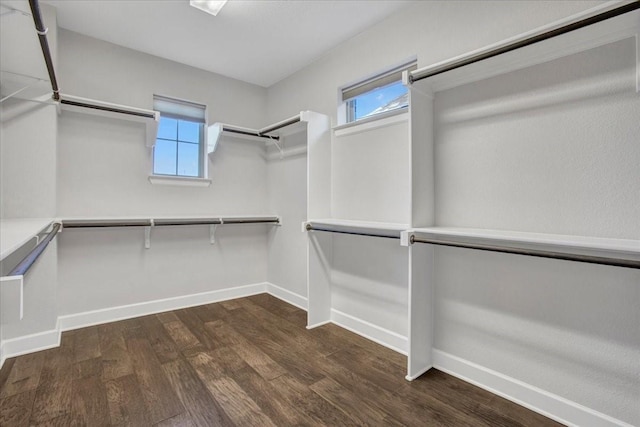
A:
<point x="530" y="48"/>
<point x="271" y="133"/>
<point x="150" y="118"/>
<point x="605" y="247"/>
<point x="147" y="221"/>
<point x="16" y="232"/>
<point x="381" y="229"/>
<point x="22" y="86"/>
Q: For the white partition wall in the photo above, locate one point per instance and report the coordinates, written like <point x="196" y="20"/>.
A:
<point x="536" y="149"/>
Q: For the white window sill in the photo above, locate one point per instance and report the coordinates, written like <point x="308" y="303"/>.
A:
<point x="373" y="122"/>
<point x="179" y="180"/>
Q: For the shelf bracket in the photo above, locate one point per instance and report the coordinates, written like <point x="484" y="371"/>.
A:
<point x="278" y="146"/>
<point x="406" y="238"/>
<point x="147" y="237"/>
<point x="212" y="233"/>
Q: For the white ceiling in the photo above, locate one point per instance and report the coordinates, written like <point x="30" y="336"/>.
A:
<point x="258" y="41"/>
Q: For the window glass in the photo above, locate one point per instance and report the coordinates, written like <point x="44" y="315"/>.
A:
<point x="379" y="100"/>
<point x="164" y="157"/>
<point x="379" y="94"/>
<point x="167" y="128"/>
<point x="180" y="141"/>
<point x="188" y="131"/>
<point x="188" y="159"/>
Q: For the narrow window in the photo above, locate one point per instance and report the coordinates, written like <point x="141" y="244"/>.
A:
<point x="179" y="149"/>
<point x="376" y="95"/>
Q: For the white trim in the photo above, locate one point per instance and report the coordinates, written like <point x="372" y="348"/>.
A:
<point x="317" y="325"/>
<point x="179" y="180"/>
<point x="50" y="339"/>
<point x="29" y="344"/>
<point x="287" y="296"/>
<point x="376" y="121"/>
<point x="543" y="402"/>
<point x="420" y="372"/>
<point x="96" y="317"/>
<point x="375" y="333"/>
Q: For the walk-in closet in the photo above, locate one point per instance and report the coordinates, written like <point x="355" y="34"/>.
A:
<point x="380" y="213"/>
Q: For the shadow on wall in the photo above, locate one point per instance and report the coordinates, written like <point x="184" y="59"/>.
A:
<point x="601" y="72"/>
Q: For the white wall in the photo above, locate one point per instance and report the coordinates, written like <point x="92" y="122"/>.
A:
<point x="568" y="328"/>
<point x="370" y="175"/>
<point x="103" y="166"/>
<point x="287" y="183"/>
<point x="28" y="165"/>
<point x="551" y="149"/>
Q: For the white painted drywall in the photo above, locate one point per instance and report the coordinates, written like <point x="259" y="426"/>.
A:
<point x="287" y="183"/>
<point x="553" y="148"/>
<point x="370" y="175"/>
<point x="28" y="166"/>
<point x="569" y="329"/>
<point x="369" y="280"/>
<point x="103" y="166"/>
<point x="110" y="267"/>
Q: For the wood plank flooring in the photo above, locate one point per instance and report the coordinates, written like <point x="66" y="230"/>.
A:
<point x="247" y="362"/>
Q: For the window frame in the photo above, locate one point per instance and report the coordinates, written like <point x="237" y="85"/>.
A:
<point x="159" y="178"/>
<point x="349" y="92"/>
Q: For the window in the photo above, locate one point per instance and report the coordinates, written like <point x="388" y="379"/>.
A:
<point x="379" y="94"/>
<point x="179" y="149"/>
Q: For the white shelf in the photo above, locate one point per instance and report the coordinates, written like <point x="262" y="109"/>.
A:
<point x="165" y="217"/>
<point x="595" y="35"/>
<point x="16" y="232"/>
<point x="623" y="248"/>
<point x="364" y="227"/>
<point x="149" y="118"/>
<point x="286" y="127"/>
<point x="21" y="86"/>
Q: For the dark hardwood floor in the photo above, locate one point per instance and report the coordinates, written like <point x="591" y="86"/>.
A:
<point x="246" y="362"/>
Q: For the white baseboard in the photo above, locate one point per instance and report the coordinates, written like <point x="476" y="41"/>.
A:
<point x="548" y="404"/>
<point x="287" y="296"/>
<point x="375" y="333"/>
<point x="112" y="314"/>
<point x="50" y="339"/>
<point x="416" y="376"/>
<point x="29" y="344"/>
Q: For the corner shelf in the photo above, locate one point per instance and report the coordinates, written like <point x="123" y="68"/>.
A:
<point x="23" y="87"/>
<point x="268" y="134"/>
<point x="14" y="233"/>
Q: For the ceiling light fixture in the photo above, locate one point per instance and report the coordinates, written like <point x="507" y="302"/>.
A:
<point x="210" y="6"/>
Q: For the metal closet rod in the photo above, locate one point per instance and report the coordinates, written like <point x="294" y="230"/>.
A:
<point x="46" y="53"/>
<point x="165" y="222"/>
<point x="244" y="132"/>
<point x="262" y="133"/>
<point x="103" y="108"/>
<point x="26" y="263"/>
<point x="529" y="41"/>
<point x="310" y="227"/>
<point x="616" y="262"/>
<point x="44" y="44"/>
<point x="280" y="125"/>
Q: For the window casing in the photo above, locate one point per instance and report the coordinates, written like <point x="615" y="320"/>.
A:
<point x="375" y="95"/>
<point x="179" y="148"/>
